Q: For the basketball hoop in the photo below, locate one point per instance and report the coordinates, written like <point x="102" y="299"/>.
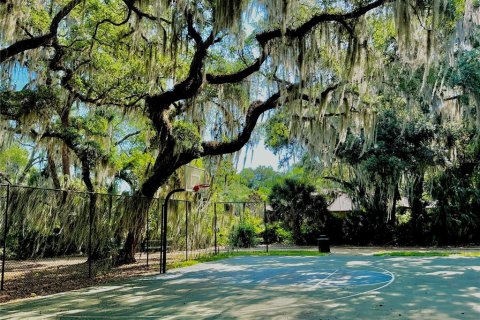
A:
<point x="195" y="179"/>
<point x="201" y="190"/>
<point x="200" y="187"/>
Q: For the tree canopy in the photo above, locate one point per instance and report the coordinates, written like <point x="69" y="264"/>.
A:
<point x="136" y="89"/>
<point x="101" y="95"/>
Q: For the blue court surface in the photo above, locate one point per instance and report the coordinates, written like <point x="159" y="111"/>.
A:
<point x="275" y="287"/>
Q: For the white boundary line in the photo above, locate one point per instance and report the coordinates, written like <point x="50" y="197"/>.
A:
<point x="386" y="272"/>
<point x="335" y="299"/>
<point x="371" y="290"/>
<point x="323" y="280"/>
<point x="385" y="284"/>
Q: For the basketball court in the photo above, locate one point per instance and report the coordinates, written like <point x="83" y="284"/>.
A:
<point x="253" y="287"/>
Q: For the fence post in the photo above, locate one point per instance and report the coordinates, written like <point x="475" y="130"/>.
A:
<point x="186" y="230"/>
<point x="265" y="219"/>
<point x="90" y="218"/>
<point x="110" y="205"/>
<point x="148" y="234"/>
<point x="160" y="225"/>
<point x="215" y="225"/>
<point x="243" y="212"/>
<point x="164" y="236"/>
<point x="5" y="223"/>
<point x="165" y="221"/>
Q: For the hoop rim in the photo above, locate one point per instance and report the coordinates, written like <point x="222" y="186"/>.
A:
<point x="201" y="186"/>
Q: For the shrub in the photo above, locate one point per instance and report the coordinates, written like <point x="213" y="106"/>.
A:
<point x="296" y="204"/>
<point x="243" y="236"/>
<point x="275" y="233"/>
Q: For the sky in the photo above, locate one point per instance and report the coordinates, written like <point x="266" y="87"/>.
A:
<point x="261" y="157"/>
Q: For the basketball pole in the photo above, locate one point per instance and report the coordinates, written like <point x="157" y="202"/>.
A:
<point x="5" y="230"/>
<point x="186" y="231"/>
<point x="215" y="225"/>
<point x="164" y="227"/>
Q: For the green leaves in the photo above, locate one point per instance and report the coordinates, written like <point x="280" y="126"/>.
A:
<point x="467" y="71"/>
<point x="297" y="205"/>
<point x="20" y="104"/>
<point x="12" y="160"/>
<point x="186" y="136"/>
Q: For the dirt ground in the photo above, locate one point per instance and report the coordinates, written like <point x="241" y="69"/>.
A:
<point x="40" y="277"/>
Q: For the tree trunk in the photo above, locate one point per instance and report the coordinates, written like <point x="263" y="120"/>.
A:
<point x="166" y="164"/>
<point x="53" y="170"/>
<point x="417" y="208"/>
<point x="65" y="120"/>
<point x="139" y="210"/>
<point x="31" y="162"/>
<point x="65" y="163"/>
<point x="127" y="254"/>
<point x="393" y="213"/>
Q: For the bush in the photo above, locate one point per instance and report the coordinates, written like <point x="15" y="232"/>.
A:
<point x="275" y="233"/>
<point x="296" y="204"/>
<point x="309" y="234"/>
<point x="243" y="236"/>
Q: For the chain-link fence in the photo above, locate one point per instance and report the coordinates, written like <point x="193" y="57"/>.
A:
<point x="189" y="230"/>
<point x="71" y="239"/>
<point x="55" y="240"/>
<point x="241" y="225"/>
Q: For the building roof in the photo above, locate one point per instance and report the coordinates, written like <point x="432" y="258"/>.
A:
<point x="343" y="203"/>
<point x="403" y="203"/>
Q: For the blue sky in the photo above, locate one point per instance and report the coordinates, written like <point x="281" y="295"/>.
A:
<point x="261" y="157"/>
<point x="20" y="77"/>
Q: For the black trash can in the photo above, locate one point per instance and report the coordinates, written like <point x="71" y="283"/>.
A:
<point x="323" y="243"/>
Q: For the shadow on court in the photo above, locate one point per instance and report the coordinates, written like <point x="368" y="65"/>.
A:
<point x="328" y="287"/>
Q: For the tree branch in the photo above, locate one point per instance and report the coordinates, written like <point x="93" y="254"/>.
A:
<point x="157" y="105"/>
<point x="212" y="148"/>
<point x="117" y="24"/>
<point x="323" y="95"/>
<point x="346" y="184"/>
<point x="264" y="37"/>
<point x="190" y="86"/>
<point x="126" y="137"/>
<point x="255" y="110"/>
<point x="192" y="32"/>
<point x="131" y="5"/>
<point x="39" y="41"/>
<point x="239" y="75"/>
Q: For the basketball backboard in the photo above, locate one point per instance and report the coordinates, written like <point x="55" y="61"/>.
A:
<point x="193" y="177"/>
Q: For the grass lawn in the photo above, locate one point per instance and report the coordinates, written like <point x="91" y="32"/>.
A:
<point x="225" y="255"/>
<point x="470" y="254"/>
<point x="415" y="254"/>
<point x="293" y="253"/>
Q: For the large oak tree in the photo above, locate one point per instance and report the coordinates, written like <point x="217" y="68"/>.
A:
<point x="204" y="72"/>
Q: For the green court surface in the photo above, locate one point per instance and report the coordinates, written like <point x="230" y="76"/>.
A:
<point x="276" y="287"/>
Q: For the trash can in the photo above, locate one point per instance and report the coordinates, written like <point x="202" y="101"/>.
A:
<point x="323" y="243"/>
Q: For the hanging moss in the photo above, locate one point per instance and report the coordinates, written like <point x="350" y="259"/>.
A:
<point x="186" y="136"/>
<point x="228" y="14"/>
